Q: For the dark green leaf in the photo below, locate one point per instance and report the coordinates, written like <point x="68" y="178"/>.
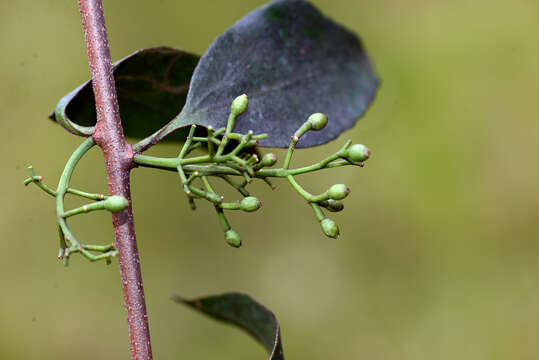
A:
<point x="243" y="311"/>
<point x="291" y="61"/>
<point x="152" y="85"/>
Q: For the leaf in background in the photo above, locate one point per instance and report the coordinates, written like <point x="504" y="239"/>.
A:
<point x="152" y="86"/>
<point x="291" y="61"/>
<point x="243" y="311"/>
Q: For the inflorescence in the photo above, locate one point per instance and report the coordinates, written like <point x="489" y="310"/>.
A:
<point x="229" y="156"/>
<point x="243" y="161"/>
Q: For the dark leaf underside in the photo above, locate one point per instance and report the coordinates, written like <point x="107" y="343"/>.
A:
<point x="152" y="84"/>
<point x="244" y="312"/>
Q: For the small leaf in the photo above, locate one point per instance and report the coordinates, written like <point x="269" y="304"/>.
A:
<point x="291" y="61"/>
<point x="152" y="86"/>
<point x="243" y="311"/>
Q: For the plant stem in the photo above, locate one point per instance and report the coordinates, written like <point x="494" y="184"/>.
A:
<point x="189" y="165"/>
<point x="61" y="190"/>
<point x="119" y="162"/>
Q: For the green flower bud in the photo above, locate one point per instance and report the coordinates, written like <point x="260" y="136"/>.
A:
<point x="332" y="205"/>
<point x="239" y="105"/>
<point x="330" y="228"/>
<point x="358" y="153"/>
<point x="268" y="160"/>
<point x="338" y="192"/>
<point x="318" y="121"/>
<point x="116" y="203"/>
<point x="233" y="238"/>
<point x="250" y="204"/>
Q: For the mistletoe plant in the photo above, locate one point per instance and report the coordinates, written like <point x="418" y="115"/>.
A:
<point x="263" y="83"/>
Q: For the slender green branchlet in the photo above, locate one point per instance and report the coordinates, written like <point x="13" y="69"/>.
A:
<point x="68" y="243"/>
<point x="232" y="157"/>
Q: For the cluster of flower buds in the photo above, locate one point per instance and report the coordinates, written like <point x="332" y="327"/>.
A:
<point x="231" y="155"/>
<point x="331" y="199"/>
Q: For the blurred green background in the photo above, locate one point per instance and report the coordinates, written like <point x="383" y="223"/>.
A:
<point x="439" y="253"/>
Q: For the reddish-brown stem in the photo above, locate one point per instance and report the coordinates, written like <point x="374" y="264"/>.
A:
<point x="119" y="161"/>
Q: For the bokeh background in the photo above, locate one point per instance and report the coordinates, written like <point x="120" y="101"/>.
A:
<point x="439" y="253"/>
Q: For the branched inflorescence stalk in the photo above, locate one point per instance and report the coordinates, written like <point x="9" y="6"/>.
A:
<point x="232" y="154"/>
<point x="232" y="157"/>
<point x="68" y="243"/>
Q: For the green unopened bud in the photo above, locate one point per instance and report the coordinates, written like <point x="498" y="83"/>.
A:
<point x="332" y="205"/>
<point x="268" y="160"/>
<point x="250" y="203"/>
<point x="338" y="191"/>
<point x="233" y="238"/>
<point x="116" y="203"/>
<point x="330" y="228"/>
<point x="358" y="153"/>
<point x="239" y="105"/>
<point x="318" y="121"/>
